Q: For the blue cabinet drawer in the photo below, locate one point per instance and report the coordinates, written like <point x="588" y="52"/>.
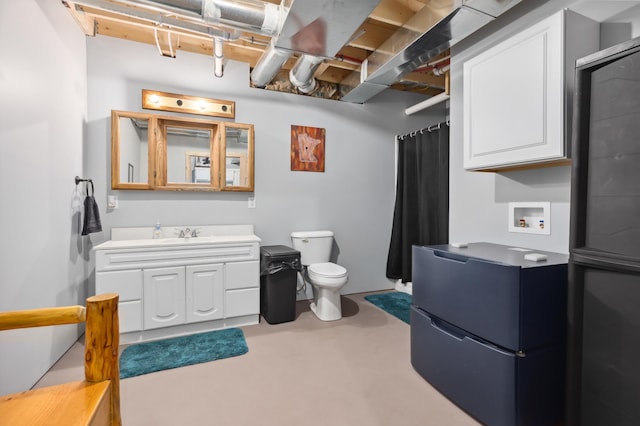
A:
<point x="514" y="306"/>
<point x="495" y="386"/>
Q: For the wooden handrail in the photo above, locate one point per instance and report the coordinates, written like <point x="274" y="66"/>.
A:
<point x="42" y="317"/>
<point x="102" y="338"/>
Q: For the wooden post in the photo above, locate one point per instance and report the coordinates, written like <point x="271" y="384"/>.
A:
<point x="447" y="83"/>
<point x="102" y="338"/>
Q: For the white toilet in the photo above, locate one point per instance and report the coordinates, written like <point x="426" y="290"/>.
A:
<point x="326" y="277"/>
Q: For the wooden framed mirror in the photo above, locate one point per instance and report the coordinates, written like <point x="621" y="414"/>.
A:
<point x="173" y="153"/>
<point x="178" y="167"/>
<point x="238" y="158"/>
<point x="131" y="150"/>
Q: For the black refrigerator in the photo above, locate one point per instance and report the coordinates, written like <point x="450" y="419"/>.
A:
<point x="603" y="364"/>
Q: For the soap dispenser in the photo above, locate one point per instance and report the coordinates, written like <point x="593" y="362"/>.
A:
<point x="157" y="231"/>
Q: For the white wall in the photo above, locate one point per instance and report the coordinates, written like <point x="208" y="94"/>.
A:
<point x="479" y="200"/>
<point x="42" y="114"/>
<point x="354" y="197"/>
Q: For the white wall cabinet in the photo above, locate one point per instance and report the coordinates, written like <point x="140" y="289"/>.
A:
<point x="174" y="287"/>
<point x="518" y="94"/>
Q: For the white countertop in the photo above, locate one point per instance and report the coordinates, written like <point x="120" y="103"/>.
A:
<point x="124" y="238"/>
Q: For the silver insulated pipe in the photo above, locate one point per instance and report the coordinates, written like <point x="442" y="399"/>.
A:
<point x="251" y="15"/>
<point x="301" y="75"/>
<point x="268" y="65"/>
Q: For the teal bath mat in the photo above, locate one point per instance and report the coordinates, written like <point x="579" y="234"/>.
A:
<point x="396" y="303"/>
<point x="149" y="357"/>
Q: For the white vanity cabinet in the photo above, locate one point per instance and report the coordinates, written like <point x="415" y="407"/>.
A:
<point x="175" y="286"/>
<point x="181" y="294"/>
<point x="518" y="94"/>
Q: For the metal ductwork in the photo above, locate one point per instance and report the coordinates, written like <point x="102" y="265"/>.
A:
<point x="254" y="15"/>
<point x="434" y="29"/>
<point x="317" y="29"/>
<point x="268" y="65"/>
<point x="301" y="75"/>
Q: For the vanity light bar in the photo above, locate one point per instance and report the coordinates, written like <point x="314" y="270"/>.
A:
<point x="163" y="101"/>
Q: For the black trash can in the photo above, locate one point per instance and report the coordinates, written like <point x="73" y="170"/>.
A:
<point x="279" y="266"/>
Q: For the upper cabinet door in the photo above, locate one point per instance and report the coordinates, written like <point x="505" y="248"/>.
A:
<point x="516" y="94"/>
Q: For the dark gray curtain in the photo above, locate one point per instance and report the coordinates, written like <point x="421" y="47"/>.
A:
<point x="421" y="215"/>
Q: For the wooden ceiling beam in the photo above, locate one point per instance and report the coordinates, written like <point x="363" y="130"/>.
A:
<point x="372" y="36"/>
<point x="165" y="36"/>
<point x="425" y="78"/>
<point x="426" y="90"/>
<point x="392" y="12"/>
<point x="332" y="75"/>
<point x="242" y="50"/>
<point x="86" y="22"/>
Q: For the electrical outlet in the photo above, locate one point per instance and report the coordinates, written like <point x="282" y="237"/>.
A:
<point x="112" y="202"/>
<point x="252" y="202"/>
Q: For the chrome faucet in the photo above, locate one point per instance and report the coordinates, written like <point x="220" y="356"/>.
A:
<point x="188" y="233"/>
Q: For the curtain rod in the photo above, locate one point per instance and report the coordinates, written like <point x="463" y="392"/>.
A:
<point x="426" y="129"/>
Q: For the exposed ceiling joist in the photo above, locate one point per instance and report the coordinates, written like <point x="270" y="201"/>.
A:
<point x="371" y="37"/>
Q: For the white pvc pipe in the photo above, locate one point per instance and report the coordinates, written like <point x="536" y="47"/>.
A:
<point x="427" y="103"/>
<point x="441" y="71"/>
<point x="218" y="58"/>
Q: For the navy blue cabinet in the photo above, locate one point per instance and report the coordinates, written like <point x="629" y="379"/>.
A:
<point x="488" y="330"/>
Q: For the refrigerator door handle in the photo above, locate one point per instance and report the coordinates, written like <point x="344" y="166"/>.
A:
<point x="460" y="336"/>
<point x="583" y="257"/>
<point x="450" y="256"/>
<point x="438" y="325"/>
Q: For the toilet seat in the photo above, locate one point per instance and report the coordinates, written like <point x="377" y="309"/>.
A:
<point x="327" y="274"/>
<point x="328" y="269"/>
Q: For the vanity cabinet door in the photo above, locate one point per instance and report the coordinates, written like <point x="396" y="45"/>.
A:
<point x="205" y="292"/>
<point x="128" y="285"/>
<point x="164" y="297"/>
<point x="242" y="289"/>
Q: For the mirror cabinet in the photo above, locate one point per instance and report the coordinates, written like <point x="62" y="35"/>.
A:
<point x="170" y="153"/>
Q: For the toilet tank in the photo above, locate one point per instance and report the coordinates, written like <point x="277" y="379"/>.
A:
<point x="314" y="246"/>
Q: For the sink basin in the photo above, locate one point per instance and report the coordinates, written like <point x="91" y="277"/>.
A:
<point x="183" y="240"/>
<point x="217" y="239"/>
